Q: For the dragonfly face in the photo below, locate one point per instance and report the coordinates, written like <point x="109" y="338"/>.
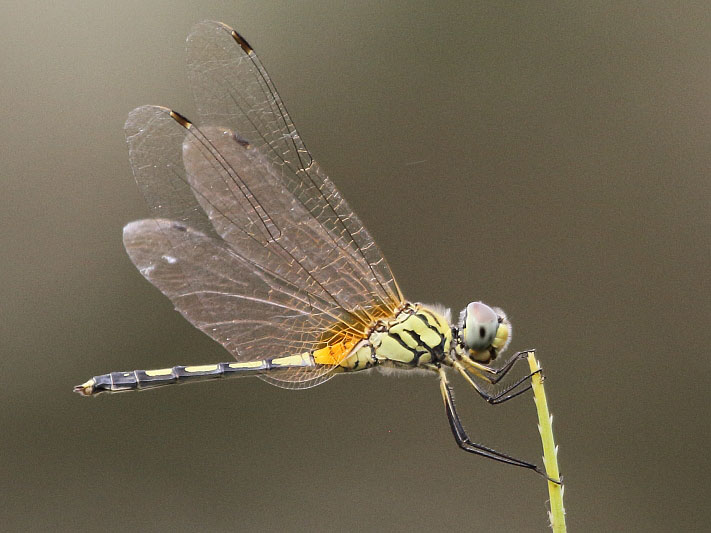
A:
<point x="484" y="332"/>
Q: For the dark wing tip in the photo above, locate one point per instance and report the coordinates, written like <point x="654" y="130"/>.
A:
<point x="242" y="42"/>
<point x="180" y="119"/>
<point x="213" y="25"/>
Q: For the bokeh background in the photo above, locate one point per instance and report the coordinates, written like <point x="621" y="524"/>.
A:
<point x="554" y="161"/>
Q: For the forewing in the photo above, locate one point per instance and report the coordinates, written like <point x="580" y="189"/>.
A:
<point x="233" y="91"/>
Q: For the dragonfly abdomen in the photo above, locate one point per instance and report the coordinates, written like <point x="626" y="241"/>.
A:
<point x="415" y="336"/>
<point x="147" y="379"/>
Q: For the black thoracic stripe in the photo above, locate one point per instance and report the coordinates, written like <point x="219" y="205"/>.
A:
<point x="436" y="353"/>
<point x="412" y="334"/>
<point x="418" y="340"/>
<point x="396" y="338"/>
<point x="423" y="317"/>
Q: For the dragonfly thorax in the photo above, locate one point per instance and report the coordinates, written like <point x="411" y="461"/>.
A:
<point x="416" y="336"/>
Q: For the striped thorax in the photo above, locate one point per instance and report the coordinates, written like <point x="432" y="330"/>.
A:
<point x="416" y="336"/>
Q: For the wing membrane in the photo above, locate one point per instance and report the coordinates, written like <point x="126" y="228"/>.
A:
<point x="251" y="241"/>
<point x="246" y="307"/>
<point x="247" y="203"/>
<point x="232" y="89"/>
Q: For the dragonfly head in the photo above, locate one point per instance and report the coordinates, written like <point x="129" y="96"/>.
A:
<point x="484" y="332"/>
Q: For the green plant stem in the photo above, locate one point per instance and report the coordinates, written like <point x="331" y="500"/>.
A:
<point x="550" y="452"/>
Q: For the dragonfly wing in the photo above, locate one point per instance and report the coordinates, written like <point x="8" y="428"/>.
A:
<point x="212" y="181"/>
<point x="249" y="309"/>
<point x="233" y="90"/>
<point x="245" y="181"/>
<point x="212" y="184"/>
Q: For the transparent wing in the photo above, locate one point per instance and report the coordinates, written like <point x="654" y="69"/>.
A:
<point x="251" y="241"/>
<point x="211" y="186"/>
<point x="233" y="90"/>
<point x="243" y="305"/>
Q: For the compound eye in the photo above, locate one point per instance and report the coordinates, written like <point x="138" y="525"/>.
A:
<point x="479" y="327"/>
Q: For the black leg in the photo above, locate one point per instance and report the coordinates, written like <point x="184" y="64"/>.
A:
<point x="466" y="444"/>
<point x="502" y="396"/>
<point x="494" y="375"/>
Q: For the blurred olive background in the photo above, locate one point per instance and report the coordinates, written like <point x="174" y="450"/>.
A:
<point x="554" y="161"/>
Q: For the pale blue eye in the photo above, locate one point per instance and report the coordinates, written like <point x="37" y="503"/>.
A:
<point x="479" y="326"/>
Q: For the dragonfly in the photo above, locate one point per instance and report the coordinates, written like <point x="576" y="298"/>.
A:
<point x="256" y="247"/>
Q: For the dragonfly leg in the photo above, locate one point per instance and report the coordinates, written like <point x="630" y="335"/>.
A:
<point x="466" y="444"/>
<point x="494" y="375"/>
<point x="502" y="396"/>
